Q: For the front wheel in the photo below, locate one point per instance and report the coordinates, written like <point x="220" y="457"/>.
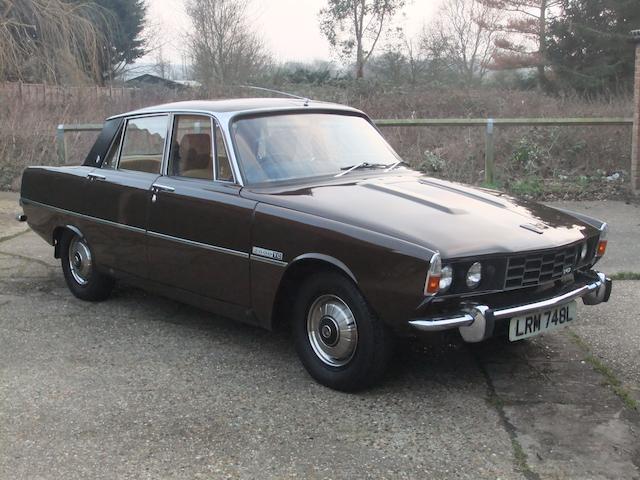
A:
<point x="80" y="273"/>
<point x="339" y="340"/>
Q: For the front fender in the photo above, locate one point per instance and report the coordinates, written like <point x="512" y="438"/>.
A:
<point x="389" y="272"/>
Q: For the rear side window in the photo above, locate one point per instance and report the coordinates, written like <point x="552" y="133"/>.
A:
<point x="191" y="147"/>
<point x="143" y="144"/>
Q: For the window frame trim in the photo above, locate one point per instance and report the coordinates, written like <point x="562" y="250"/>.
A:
<point x="214" y="124"/>
<point x="124" y="132"/>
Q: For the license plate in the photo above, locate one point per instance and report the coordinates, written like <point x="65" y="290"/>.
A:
<point x="542" y="321"/>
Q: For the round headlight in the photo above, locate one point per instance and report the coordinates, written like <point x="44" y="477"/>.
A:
<point x="446" y="277"/>
<point x="474" y="275"/>
<point x="583" y="252"/>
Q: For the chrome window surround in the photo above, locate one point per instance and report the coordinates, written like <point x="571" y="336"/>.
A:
<point x="171" y="113"/>
<point x="217" y="126"/>
<point x="214" y="123"/>
<point x="225" y="136"/>
<point x="172" y="123"/>
<point x="225" y="118"/>
<point x="124" y="132"/>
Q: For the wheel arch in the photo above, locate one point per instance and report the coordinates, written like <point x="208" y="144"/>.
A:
<point x="297" y="270"/>
<point x="57" y="236"/>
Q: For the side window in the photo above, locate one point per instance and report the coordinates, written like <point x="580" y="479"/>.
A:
<point x="143" y="144"/>
<point x="191" y="153"/>
<point x="111" y="159"/>
<point x="223" y="167"/>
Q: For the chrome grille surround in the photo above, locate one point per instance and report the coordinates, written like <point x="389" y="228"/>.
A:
<point x="536" y="268"/>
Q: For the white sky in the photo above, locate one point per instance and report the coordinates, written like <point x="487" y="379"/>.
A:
<point x="289" y="27"/>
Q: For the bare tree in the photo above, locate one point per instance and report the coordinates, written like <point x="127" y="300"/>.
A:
<point x="223" y="47"/>
<point x="416" y="60"/>
<point x="51" y="40"/>
<point x="356" y="26"/>
<point x="162" y="67"/>
<point x="464" y="33"/>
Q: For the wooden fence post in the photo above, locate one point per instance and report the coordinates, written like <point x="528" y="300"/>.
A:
<point x="635" y="145"/>
<point x="489" y="154"/>
<point x="61" y="145"/>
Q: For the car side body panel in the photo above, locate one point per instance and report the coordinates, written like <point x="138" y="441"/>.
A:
<point x="389" y="272"/>
<point x="199" y="239"/>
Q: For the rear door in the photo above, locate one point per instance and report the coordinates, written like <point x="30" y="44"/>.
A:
<point x="118" y="194"/>
<point x="199" y="226"/>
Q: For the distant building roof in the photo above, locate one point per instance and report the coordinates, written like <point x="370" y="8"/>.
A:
<point x="189" y="83"/>
<point x="148" y="79"/>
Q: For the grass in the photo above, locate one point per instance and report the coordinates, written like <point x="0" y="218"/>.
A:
<point x="520" y="458"/>
<point x="613" y="382"/>
<point x="625" y="276"/>
<point x="610" y="377"/>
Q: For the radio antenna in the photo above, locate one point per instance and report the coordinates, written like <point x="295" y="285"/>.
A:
<point x="305" y="99"/>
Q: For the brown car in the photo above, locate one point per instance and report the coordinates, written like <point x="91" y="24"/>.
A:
<point x="271" y="211"/>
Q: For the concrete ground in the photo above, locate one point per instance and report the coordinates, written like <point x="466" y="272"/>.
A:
<point x="143" y="387"/>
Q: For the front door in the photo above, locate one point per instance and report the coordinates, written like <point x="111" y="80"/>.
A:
<point x="199" y="226"/>
<point x="118" y="194"/>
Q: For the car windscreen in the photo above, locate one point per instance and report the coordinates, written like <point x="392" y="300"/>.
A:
<point x="301" y="145"/>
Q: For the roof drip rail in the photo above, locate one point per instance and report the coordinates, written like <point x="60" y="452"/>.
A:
<point x="306" y="100"/>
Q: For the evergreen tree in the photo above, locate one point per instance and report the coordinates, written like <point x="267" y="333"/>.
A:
<point x="122" y="22"/>
<point x="589" y="48"/>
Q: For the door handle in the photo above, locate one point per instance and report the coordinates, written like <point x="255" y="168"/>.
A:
<point x="96" y="176"/>
<point x="156" y="187"/>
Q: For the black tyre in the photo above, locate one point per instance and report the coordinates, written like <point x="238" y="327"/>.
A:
<point x="82" y="278"/>
<point x="338" y="338"/>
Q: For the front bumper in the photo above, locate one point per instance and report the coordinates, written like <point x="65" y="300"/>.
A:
<point x="476" y="322"/>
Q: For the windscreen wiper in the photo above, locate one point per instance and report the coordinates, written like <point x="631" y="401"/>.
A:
<point x="395" y="164"/>
<point x="358" y="166"/>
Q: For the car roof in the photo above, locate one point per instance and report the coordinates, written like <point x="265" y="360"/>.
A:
<point x="241" y="105"/>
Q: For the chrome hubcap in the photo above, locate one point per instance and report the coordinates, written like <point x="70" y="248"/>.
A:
<point x="80" y="260"/>
<point x="332" y="330"/>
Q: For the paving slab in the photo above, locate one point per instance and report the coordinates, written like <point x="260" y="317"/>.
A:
<point x="566" y="423"/>
<point x="612" y="332"/>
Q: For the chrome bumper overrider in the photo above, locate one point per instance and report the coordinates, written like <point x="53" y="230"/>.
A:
<point x="482" y="316"/>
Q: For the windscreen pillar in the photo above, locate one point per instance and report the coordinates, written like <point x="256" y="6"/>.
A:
<point x="635" y="149"/>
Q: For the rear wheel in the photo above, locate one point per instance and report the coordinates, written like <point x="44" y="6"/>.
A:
<point x="80" y="273"/>
<point x="339" y="340"/>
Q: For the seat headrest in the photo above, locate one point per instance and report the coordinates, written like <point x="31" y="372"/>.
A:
<point x="195" y="151"/>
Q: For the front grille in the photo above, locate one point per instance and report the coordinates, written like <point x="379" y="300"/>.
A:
<point x="536" y="268"/>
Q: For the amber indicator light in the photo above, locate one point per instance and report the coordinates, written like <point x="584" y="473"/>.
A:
<point x="602" y="247"/>
<point x="434" y="284"/>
